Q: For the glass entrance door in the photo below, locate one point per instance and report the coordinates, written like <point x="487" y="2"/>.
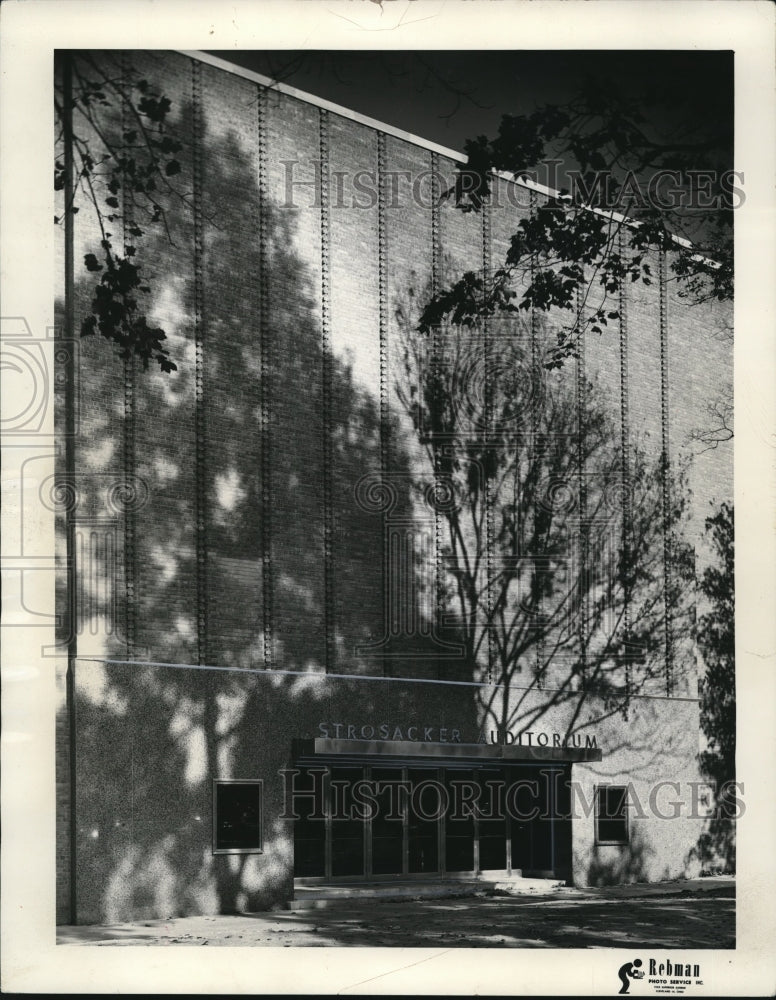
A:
<point x="424" y="813"/>
<point x="459" y="822"/>
<point x="347" y="823"/>
<point x="309" y="806"/>
<point x="492" y="820"/>
<point x="376" y="821"/>
<point x="540" y="821"/>
<point x="388" y="837"/>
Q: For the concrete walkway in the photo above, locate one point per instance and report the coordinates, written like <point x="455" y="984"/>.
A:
<point x="698" y="913"/>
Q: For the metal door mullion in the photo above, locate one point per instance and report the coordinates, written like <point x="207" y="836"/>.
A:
<point x="507" y="827"/>
<point x="476" y="828"/>
<point x="551" y="806"/>
<point x="328" y="851"/>
<point x="405" y="825"/>
<point x="442" y="829"/>
<point x="368" y="832"/>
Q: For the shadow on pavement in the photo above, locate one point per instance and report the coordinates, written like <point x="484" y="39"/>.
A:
<point x="707" y="920"/>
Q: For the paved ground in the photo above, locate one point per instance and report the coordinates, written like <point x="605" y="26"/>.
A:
<point x="690" y="914"/>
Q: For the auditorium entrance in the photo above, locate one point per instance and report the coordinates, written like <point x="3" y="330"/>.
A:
<point x="378" y="821"/>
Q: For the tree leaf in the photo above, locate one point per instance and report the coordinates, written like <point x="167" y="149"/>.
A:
<point x="91" y="262"/>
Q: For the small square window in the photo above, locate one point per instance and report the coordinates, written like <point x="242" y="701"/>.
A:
<point x="611" y="814"/>
<point x="238" y="817"/>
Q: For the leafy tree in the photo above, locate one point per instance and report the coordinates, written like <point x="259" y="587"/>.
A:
<point x="576" y="251"/>
<point x="115" y="151"/>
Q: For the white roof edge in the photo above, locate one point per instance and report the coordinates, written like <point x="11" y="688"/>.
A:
<point x="416" y="140"/>
<point x="337" y="109"/>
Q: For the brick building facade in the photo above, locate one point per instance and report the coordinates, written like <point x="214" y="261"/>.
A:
<point x="266" y="579"/>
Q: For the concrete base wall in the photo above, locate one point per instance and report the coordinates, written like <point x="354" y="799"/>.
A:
<point x="150" y="741"/>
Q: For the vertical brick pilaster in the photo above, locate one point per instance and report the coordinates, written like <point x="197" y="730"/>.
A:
<point x="489" y="370"/>
<point x="266" y="367"/>
<point x="130" y="578"/>
<point x="326" y="351"/>
<point x="665" y="464"/>
<point x="382" y="320"/>
<point x="382" y="306"/>
<point x="129" y="456"/>
<point x="436" y="255"/>
<point x="200" y="470"/>
<point x="625" y="554"/>
<point x="583" y="605"/>
<point x="538" y="665"/>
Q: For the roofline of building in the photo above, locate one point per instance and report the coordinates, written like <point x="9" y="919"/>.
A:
<point x="416" y="140"/>
<point x="320" y="102"/>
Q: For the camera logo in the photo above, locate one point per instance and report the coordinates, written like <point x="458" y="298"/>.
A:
<point x="631" y="970"/>
<point x="32" y="371"/>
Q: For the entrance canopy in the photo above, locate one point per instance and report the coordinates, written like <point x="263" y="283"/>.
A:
<point x="322" y="748"/>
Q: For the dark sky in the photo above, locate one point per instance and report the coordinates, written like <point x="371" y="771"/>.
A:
<point x="449" y="96"/>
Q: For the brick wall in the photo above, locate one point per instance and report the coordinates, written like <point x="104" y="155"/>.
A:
<point x="245" y="540"/>
<point x="250" y="546"/>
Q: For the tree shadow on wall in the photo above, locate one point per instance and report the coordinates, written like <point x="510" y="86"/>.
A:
<point x="715" y="850"/>
<point x="554" y="532"/>
<point x="150" y="739"/>
<point x="716" y="847"/>
<point x="620" y="865"/>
